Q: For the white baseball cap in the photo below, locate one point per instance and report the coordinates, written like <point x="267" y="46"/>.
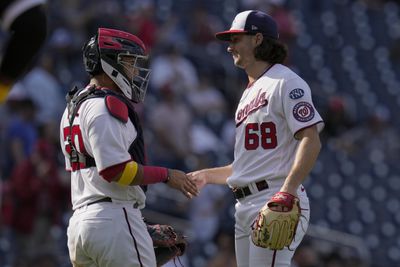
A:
<point x="251" y="22"/>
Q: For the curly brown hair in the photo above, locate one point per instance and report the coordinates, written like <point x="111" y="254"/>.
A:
<point x="271" y="50"/>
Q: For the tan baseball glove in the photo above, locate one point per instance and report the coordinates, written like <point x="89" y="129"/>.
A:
<point x="276" y="223"/>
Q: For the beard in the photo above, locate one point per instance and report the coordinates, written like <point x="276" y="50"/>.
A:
<point x="238" y="62"/>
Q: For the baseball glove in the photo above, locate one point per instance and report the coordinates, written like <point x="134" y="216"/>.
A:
<point x="168" y="244"/>
<point x="276" y="223"/>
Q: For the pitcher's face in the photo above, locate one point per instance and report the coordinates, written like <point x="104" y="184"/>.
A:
<point x="242" y="47"/>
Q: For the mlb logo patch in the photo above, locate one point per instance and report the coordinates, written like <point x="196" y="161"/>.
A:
<point x="303" y="112"/>
<point x="296" y="93"/>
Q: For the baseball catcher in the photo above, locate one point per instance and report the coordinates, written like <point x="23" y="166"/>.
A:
<point x="168" y="244"/>
<point x="276" y="223"/>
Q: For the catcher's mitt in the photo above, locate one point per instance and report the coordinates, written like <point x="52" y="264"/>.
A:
<point x="275" y="228"/>
<point x="168" y="244"/>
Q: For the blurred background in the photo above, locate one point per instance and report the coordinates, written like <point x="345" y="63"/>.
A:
<point x="347" y="50"/>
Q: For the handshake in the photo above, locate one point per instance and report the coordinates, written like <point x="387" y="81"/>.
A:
<point x="189" y="184"/>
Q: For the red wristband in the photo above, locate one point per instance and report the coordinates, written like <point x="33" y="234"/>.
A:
<point x="152" y="174"/>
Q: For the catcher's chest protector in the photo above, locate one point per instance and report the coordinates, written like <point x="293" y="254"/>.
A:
<point x="75" y="99"/>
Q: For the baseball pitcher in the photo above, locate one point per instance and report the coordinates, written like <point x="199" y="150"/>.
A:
<point x="277" y="144"/>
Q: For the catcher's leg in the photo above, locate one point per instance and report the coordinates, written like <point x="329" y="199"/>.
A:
<point x="130" y="245"/>
<point x="109" y="235"/>
<point x="76" y="254"/>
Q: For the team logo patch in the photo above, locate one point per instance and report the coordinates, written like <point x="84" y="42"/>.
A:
<point x="296" y="93"/>
<point x="303" y="112"/>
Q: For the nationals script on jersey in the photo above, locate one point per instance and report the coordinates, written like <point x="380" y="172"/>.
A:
<point x="270" y="113"/>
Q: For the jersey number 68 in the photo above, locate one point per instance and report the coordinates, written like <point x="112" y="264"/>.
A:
<point x="264" y="133"/>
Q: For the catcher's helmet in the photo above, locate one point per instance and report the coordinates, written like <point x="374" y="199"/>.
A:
<point x="122" y="56"/>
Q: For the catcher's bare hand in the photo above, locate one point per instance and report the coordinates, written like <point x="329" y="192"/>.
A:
<point x="178" y="180"/>
<point x="199" y="178"/>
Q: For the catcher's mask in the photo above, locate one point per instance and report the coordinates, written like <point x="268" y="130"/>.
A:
<point x="122" y="56"/>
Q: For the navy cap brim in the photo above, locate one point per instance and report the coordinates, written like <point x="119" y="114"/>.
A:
<point x="226" y="35"/>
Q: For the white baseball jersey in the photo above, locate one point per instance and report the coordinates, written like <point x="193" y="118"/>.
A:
<point x="271" y="111"/>
<point x="107" y="140"/>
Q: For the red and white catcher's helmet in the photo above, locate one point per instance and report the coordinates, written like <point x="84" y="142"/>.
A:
<point x="122" y="56"/>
